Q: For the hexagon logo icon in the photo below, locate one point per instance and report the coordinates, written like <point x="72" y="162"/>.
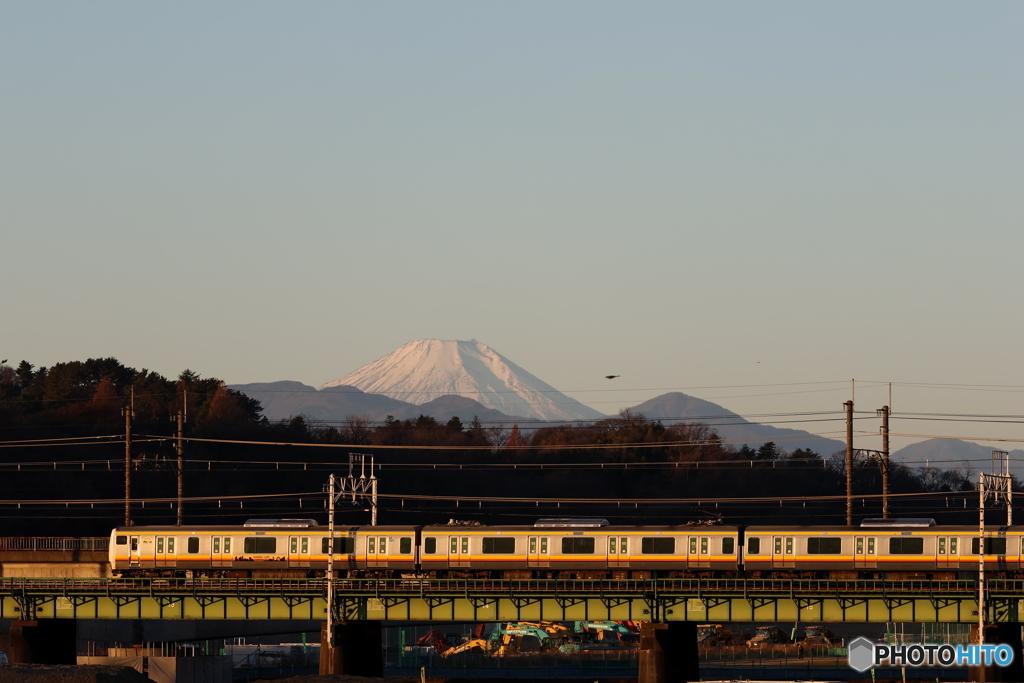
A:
<point x="861" y="654"/>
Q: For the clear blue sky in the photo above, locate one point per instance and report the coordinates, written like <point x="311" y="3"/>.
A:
<point x="686" y="194"/>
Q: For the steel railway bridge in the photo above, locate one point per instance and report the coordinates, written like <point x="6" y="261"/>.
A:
<point x="413" y="599"/>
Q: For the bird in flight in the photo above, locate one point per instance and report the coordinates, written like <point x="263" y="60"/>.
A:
<point x="611" y="376"/>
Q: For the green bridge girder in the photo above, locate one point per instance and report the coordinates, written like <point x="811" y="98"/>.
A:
<point x="437" y="600"/>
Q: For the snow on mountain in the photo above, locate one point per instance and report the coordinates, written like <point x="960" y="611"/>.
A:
<point x="424" y="370"/>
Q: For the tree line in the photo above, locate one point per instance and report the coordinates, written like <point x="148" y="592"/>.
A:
<point x="628" y="457"/>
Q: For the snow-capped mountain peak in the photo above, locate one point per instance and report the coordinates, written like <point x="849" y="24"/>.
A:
<point x="423" y="370"/>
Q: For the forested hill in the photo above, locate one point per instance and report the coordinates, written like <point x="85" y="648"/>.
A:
<point x="622" y="467"/>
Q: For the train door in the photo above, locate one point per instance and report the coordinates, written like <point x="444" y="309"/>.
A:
<point x="948" y="551"/>
<point x="298" y="551"/>
<point x="165" y="551"/>
<point x="220" y="551"/>
<point x="618" y="551"/>
<point x="865" y="555"/>
<point x="783" y="551"/>
<point x="700" y="551"/>
<point x="537" y="554"/>
<point x="376" y="551"/>
<point x="458" y="551"/>
<point x="133" y="551"/>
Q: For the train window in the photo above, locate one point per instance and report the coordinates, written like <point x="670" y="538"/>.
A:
<point x="623" y="548"/>
<point x="789" y="546"/>
<point x="465" y="545"/>
<point x="824" y="546"/>
<point x="259" y="544"/>
<point x="216" y="544"/>
<point x="903" y="545"/>
<point x="704" y="545"/>
<point x="728" y="545"/>
<point x="693" y="545"/>
<point x="533" y="544"/>
<point x="160" y="544"/>
<point x="304" y="545"/>
<point x="871" y="546"/>
<point x="121" y="540"/>
<point x="860" y="545"/>
<point x="404" y="545"/>
<point x="578" y="545"/>
<point x="227" y="544"/>
<point x="611" y="545"/>
<point x="135" y="543"/>
<point x="952" y="546"/>
<point x="657" y="545"/>
<point x="993" y="546"/>
<point x="193" y="545"/>
<point x="342" y="546"/>
<point x="754" y="546"/>
<point x="499" y="546"/>
<point x="942" y="546"/>
<point x="293" y="547"/>
<point x="429" y="545"/>
<point x="455" y="544"/>
<point x="544" y="546"/>
<point x="170" y="545"/>
<point x="778" y="545"/>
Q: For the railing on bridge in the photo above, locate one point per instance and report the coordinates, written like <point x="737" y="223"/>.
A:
<point x="54" y="543"/>
<point x="503" y="588"/>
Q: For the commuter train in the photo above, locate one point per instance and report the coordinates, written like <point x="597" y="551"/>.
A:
<point x="568" y="548"/>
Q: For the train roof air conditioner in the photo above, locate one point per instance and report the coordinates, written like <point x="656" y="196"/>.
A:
<point x="564" y="522"/>
<point x="878" y="523"/>
<point x="292" y="523"/>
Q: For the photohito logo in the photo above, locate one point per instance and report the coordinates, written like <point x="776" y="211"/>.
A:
<point x="863" y="654"/>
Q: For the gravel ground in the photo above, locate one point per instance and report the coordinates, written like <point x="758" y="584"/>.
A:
<point x="53" y="673"/>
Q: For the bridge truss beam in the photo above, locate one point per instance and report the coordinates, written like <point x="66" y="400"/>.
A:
<point x="702" y="600"/>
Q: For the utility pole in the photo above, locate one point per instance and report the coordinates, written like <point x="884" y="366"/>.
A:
<point x="330" y="564"/>
<point x="128" y="414"/>
<point x="181" y="465"/>
<point x="849" y="462"/>
<point x="884" y="414"/>
<point x="981" y="559"/>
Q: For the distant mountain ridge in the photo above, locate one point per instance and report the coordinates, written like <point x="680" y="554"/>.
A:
<point x="427" y="369"/>
<point x="948" y="454"/>
<point x="286" y="399"/>
<point x="733" y="428"/>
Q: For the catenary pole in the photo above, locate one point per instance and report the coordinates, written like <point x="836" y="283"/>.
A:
<point x="849" y="462"/>
<point x="884" y="412"/>
<point x="981" y="560"/>
<point x="330" y="564"/>
<point x="128" y="412"/>
<point x="181" y="465"/>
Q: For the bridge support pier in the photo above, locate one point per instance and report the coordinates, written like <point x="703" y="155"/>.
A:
<point x="999" y="634"/>
<point x="357" y="651"/>
<point x="668" y="652"/>
<point x="42" y="641"/>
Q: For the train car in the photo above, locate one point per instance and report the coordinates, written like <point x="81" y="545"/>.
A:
<point x="577" y="548"/>
<point x="892" y="548"/>
<point x="262" y="548"/>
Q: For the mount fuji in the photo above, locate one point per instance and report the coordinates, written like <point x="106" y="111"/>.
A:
<point x="427" y="369"/>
